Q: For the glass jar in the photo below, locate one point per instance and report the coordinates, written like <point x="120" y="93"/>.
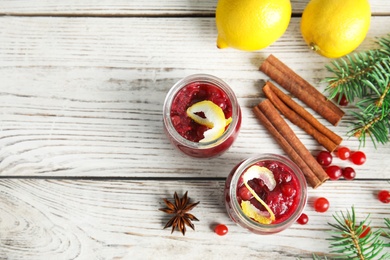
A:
<point x="183" y="132"/>
<point x="287" y="199"/>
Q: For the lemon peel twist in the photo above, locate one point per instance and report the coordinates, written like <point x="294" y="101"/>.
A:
<point x="214" y="119"/>
<point x="263" y="173"/>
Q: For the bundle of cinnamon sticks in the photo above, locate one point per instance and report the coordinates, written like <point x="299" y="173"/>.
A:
<point x="267" y="112"/>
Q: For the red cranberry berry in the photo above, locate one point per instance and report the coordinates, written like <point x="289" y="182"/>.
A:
<point x="349" y="173"/>
<point x="324" y="158"/>
<point x="334" y="172"/>
<point x="342" y="101"/>
<point x="365" y="232"/>
<point x="303" y="219"/>
<point x="244" y="193"/>
<point x="384" y="196"/>
<point x="358" y="158"/>
<point x="221" y="230"/>
<point x="321" y="204"/>
<point x="343" y="153"/>
<point x="287" y="189"/>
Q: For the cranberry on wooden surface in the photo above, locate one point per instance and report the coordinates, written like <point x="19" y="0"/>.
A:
<point x="384" y="196"/>
<point x="334" y="172"/>
<point x="349" y="173"/>
<point x="303" y="219"/>
<point x="358" y="158"/>
<point x="324" y="158"/>
<point x="321" y="204"/>
<point x="221" y="230"/>
<point x="343" y="153"/>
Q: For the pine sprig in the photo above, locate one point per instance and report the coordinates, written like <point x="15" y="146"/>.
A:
<point x="387" y="234"/>
<point x="349" y="241"/>
<point x="365" y="76"/>
<point x="351" y="72"/>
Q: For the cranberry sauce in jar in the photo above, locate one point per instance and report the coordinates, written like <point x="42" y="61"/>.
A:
<point x="202" y="117"/>
<point x="265" y="194"/>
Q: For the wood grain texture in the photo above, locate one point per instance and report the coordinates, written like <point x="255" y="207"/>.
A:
<point x="137" y="7"/>
<point x="86" y="219"/>
<point x="185" y="43"/>
<point x="84" y="162"/>
<point x="80" y="98"/>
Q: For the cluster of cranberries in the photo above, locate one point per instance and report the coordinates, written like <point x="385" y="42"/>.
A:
<point x="325" y="158"/>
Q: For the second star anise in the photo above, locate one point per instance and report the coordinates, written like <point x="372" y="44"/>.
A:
<point x="180" y="209"/>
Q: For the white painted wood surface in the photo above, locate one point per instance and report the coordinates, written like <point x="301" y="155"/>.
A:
<point x="84" y="163"/>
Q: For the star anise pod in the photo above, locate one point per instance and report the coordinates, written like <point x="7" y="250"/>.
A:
<point x="180" y="210"/>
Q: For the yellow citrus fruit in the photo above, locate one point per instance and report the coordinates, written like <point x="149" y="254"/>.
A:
<point x="251" y="24"/>
<point x="334" y="28"/>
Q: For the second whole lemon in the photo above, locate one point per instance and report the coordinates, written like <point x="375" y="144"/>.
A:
<point x="334" y="28"/>
<point x="251" y="25"/>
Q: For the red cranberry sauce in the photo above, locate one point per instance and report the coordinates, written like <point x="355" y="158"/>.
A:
<point x="283" y="199"/>
<point x="189" y="95"/>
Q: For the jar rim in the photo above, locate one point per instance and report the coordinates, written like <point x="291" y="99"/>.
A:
<point x="252" y="224"/>
<point x="205" y="78"/>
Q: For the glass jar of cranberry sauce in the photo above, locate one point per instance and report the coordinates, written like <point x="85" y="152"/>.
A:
<point x="265" y="194"/>
<point x="213" y="126"/>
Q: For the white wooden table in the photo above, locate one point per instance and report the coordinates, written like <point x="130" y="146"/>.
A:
<point x="84" y="162"/>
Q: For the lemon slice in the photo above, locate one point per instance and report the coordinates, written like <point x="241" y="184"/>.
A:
<point x="214" y="119"/>
<point x="263" y="173"/>
<point x="251" y="211"/>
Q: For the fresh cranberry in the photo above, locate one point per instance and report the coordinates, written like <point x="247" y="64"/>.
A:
<point x="349" y="173"/>
<point x="324" y="158"/>
<point x="358" y="158"/>
<point x="303" y="219"/>
<point x="321" y="204"/>
<point x="334" y="172"/>
<point x="343" y="153"/>
<point x="384" y="196"/>
<point x="221" y="230"/>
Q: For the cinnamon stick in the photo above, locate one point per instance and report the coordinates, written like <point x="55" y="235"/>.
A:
<point x="311" y="178"/>
<point x="301" y="89"/>
<point x="306" y="115"/>
<point x="283" y="128"/>
<point x="293" y="112"/>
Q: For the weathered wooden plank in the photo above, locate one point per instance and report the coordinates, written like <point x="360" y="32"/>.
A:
<point x="186" y="43"/>
<point x="110" y="219"/>
<point x="80" y="97"/>
<point x="138" y="7"/>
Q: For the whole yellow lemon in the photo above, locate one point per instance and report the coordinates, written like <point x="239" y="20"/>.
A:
<point x="251" y="24"/>
<point x="334" y="28"/>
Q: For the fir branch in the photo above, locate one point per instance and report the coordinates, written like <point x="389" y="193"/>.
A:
<point x="387" y="234"/>
<point x="385" y="45"/>
<point x="372" y="125"/>
<point x="366" y="76"/>
<point x="349" y="241"/>
<point x="350" y="71"/>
